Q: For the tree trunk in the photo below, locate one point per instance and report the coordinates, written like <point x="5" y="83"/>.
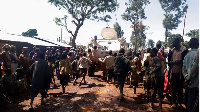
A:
<point x="135" y="37"/>
<point x="75" y="35"/>
<point x="166" y="34"/>
<point x="136" y="43"/>
<point x="73" y="42"/>
<point x="140" y="42"/>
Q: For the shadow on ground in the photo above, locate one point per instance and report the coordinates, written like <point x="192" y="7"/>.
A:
<point x="86" y="99"/>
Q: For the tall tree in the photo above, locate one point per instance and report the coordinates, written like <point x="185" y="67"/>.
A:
<point x="30" y="33"/>
<point x="118" y="29"/>
<point x="162" y="43"/>
<point x="174" y="11"/>
<point x="81" y="10"/>
<point x="135" y="14"/>
<point x="193" y="33"/>
<point x="142" y="35"/>
<point x="186" y="44"/>
<point x="150" y="43"/>
<point x="133" y="39"/>
<point x="171" y="37"/>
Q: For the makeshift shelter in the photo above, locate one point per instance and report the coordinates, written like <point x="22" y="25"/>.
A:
<point x="21" y="41"/>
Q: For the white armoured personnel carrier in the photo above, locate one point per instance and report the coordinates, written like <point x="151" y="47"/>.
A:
<point x="109" y="42"/>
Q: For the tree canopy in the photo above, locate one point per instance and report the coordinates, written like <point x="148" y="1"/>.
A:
<point x="118" y="29"/>
<point x="193" y="33"/>
<point x="174" y="10"/>
<point x="135" y="13"/>
<point x="30" y="33"/>
<point x="81" y="10"/>
<point x="171" y="37"/>
<point x="150" y="43"/>
<point x="162" y="43"/>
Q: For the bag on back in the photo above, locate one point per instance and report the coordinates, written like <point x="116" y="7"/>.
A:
<point x="120" y="64"/>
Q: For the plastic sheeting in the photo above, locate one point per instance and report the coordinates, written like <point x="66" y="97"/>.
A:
<point x="33" y="41"/>
<point x="60" y="44"/>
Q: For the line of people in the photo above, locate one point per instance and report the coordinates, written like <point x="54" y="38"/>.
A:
<point x="171" y="73"/>
<point x="168" y="73"/>
<point x="162" y="72"/>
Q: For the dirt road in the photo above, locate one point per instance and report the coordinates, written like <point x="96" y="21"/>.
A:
<point x="95" y="96"/>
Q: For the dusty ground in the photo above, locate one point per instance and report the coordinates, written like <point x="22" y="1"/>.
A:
<point x="95" y="96"/>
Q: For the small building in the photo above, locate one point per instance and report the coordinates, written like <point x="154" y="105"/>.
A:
<point x="21" y="41"/>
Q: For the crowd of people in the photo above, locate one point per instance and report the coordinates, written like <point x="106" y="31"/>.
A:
<point x="163" y="72"/>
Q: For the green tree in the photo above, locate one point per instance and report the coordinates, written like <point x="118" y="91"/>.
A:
<point x="81" y="10"/>
<point x="162" y="43"/>
<point x="186" y="44"/>
<point x="150" y="43"/>
<point x="193" y="33"/>
<point x="133" y="39"/>
<point x="171" y="37"/>
<point x="30" y="33"/>
<point x="140" y="40"/>
<point x="135" y="14"/>
<point x="118" y="29"/>
<point x="174" y="11"/>
<point x="142" y="35"/>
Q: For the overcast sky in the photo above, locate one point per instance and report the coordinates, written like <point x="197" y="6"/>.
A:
<point x="18" y="16"/>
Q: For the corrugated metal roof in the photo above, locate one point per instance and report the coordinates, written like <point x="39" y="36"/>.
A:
<point x="61" y="44"/>
<point x="33" y="41"/>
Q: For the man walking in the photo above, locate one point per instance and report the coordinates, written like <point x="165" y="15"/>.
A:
<point x="122" y="67"/>
<point x="41" y="78"/>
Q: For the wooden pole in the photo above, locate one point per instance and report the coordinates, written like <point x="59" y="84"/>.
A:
<point x="184" y="24"/>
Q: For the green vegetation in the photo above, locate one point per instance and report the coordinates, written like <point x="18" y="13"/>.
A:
<point x="150" y="43"/>
<point x="135" y="14"/>
<point x="118" y="29"/>
<point x="81" y="10"/>
<point x="30" y="33"/>
<point x="174" y="11"/>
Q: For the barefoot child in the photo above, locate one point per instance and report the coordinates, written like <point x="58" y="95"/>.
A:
<point x="83" y="65"/>
<point x="158" y="79"/>
<point x="65" y="68"/>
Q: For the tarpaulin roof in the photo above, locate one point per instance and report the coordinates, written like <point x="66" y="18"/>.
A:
<point x="33" y="41"/>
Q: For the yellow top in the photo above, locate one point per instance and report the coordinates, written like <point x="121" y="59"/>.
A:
<point x="65" y="67"/>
